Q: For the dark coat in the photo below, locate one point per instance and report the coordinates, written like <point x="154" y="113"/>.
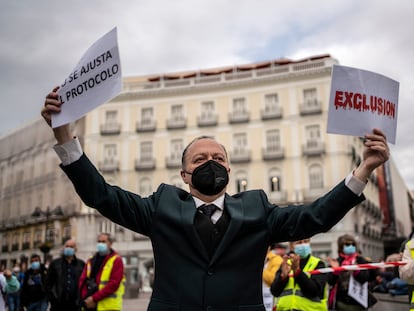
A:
<point x="186" y="277"/>
<point x="33" y="288"/>
<point x="55" y="279"/>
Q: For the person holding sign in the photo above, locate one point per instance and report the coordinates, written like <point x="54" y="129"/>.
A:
<point x="349" y="289"/>
<point x="209" y="246"/>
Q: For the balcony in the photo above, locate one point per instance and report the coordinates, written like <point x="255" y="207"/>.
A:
<point x="173" y="162"/>
<point x="273" y="153"/>
<point x="277" y="197"/>
<point x="313" y="148"/>
<point x="176" y="123"/>
<point x="144" y="164"/>
<point x="109" y="166"/>
<point x="113" y="128"/>
<point x="271" y="113"/>
<point x="207" y="120"/>
<point x="240" y="156"/>
<point x="310" y="107"/>
<point x="146" y="126"/>
<point x="239" y="117"/>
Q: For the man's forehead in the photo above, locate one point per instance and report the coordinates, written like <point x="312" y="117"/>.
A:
<point x="205" y="145"/>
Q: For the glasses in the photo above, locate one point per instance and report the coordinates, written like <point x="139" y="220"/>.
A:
<point x="350" y="244"/>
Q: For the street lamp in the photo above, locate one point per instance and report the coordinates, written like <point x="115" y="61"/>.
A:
<point x="48" y="240"/>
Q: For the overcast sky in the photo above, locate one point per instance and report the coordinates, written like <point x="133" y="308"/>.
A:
<point x="42" y="41"/>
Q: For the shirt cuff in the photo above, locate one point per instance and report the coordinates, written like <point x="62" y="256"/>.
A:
<point x="69" y="152"/>
<point x="354" y="184"/>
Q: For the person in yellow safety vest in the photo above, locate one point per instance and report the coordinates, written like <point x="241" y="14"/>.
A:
<point x="407" y="271"/>
<point x="296" y="289"/>
<point x="102" y="281"/>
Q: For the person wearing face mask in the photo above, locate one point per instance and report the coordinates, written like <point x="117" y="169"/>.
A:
<point x="293" y="288"/>
<point x="33" y="291"/>
<point x="62" y="279"/>
<point x="102" y="280"/>
<point x="204" y="238"/>
<point x="339" y="281"/>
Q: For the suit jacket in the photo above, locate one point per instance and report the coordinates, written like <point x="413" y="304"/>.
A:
<point x="186" y="278"/>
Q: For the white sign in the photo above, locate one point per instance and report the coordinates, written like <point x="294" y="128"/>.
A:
<point x="358" y="291"/>
<point x="97" y="78"/>
<point x="360" y="101"/>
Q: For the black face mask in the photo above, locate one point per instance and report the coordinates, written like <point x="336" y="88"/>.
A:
<point x="210" y="178"/>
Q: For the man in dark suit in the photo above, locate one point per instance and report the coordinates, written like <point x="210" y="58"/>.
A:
<point x="212" y="259"/>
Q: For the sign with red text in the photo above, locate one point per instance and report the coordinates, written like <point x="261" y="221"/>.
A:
<point x="360" y="101"/>
<point x="96" y="79"/>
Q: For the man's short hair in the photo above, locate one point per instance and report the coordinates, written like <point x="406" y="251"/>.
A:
<point x="193" y="141"/>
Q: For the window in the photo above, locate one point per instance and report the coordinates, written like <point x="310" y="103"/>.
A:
<point x="38" y="236"/>
<point x="241" y="181"/>
<point x="275" y="180"/>
<point x="176" y="149"/>
<point x="310" y="98"/>
<point x="240" y="143"/>
<point x="313" y="135"/>
<point x="271" y="103"/>
<point x="239" y="106"/>
<point x="241" y="184"/>
<point x="273" y="140"/>
<point x="111" y="117"/>
<point x="147" y="115"/>
<point x="177" y="113"/>
<point x="207" y="109"/>
<point x="315" y="177"/>
<point x="146" y="151"/>
<point x="110" y="152"/>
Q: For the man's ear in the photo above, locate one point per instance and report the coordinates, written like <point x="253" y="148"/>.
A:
<point x="182" y="173"/>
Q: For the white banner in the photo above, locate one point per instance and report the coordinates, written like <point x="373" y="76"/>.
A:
<point x="361" y="100"/>
<point x="96" y="79"/>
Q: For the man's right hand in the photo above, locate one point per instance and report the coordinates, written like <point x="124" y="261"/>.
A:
<point x="53" y="105"/>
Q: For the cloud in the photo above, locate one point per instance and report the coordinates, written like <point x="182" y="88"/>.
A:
<point x="43" y="41"/>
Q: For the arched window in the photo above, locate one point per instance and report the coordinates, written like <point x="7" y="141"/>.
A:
<point x="241" y="181"/>
<point x="275" y="180"/>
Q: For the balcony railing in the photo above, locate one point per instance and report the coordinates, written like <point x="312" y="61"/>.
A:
<point x="239" y="117"/>
<point x="311" y="107"/>
<point x="113" y="128"/>
<point x="207" y="120"/>
<point x="275" y="153"/>
<point x="173" y="162"/>
<point x="144" y="164"/>
<point x="313" y="148"/>
<point x="109" y="165"/>
<point x="240" y="156"/>
<point x="146" y="126"/>
<point x="176" y="123"/>
<point x="272" y="113"/>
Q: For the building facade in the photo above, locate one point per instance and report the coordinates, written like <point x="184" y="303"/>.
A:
<point x="271" y="117"/>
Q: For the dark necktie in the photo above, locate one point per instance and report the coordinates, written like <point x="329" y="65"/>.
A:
<point x="208" y="209"/>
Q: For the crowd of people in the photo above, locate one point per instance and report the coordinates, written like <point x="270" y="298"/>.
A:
<point x="293" y="286"/>
<point x="67" y="283"/>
